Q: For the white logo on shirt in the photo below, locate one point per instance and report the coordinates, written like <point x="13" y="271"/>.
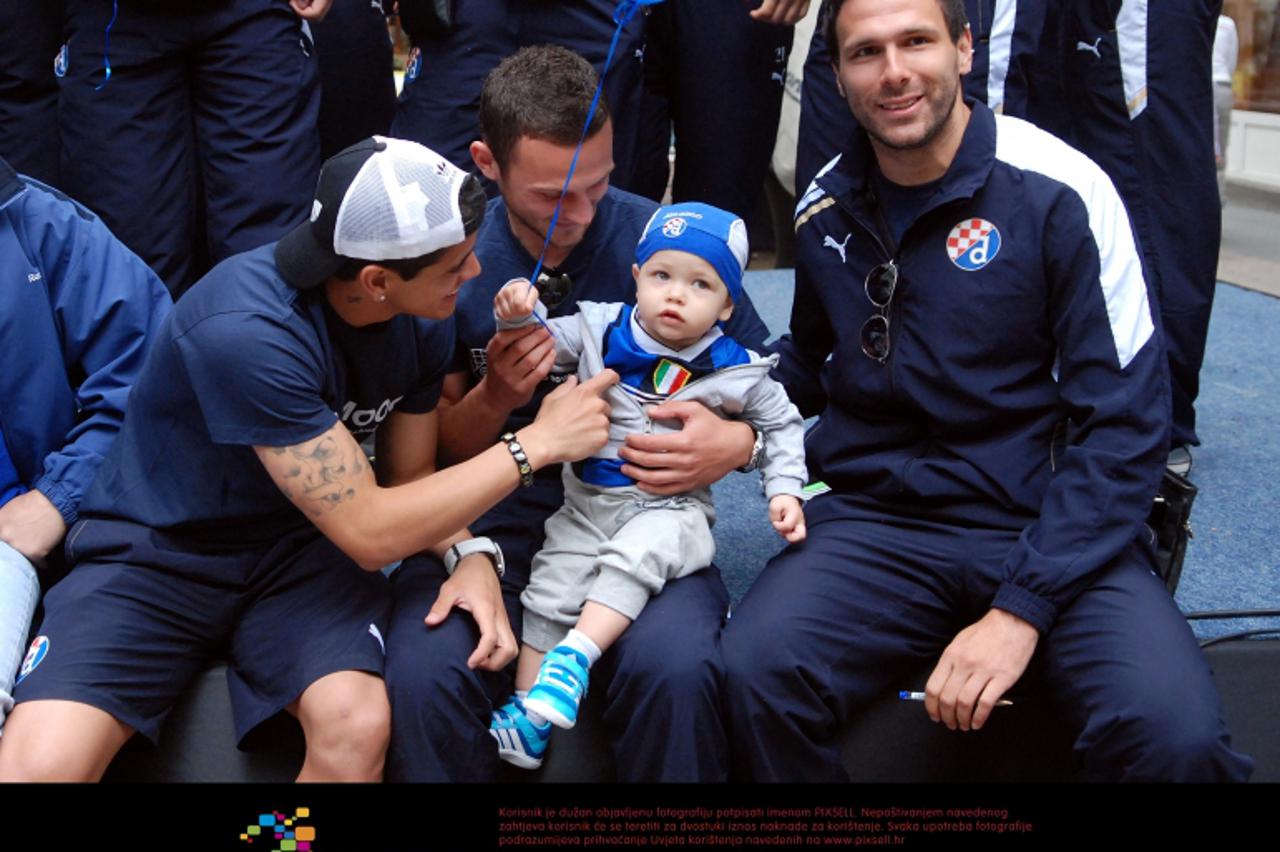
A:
<point x="1085" y="47"/>
<point x="367" y="419"/>
<point x="828" y="242"/>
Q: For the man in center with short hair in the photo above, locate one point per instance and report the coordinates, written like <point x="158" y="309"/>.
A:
<point x="661" y="679"/>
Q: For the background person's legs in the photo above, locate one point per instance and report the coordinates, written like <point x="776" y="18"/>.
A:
<point x="128" y="145"/>
<point x="30" y="36"/>
<point x="256" y="101"/>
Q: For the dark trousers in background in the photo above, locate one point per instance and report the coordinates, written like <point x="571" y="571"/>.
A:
<point x="445" y="73"/>
<point x="203" y="143"/>
<point x="1142" y="108"/>
<point x="357" y="83"/>
<point x="30" y="35"/>
<point x="715" y="77"/>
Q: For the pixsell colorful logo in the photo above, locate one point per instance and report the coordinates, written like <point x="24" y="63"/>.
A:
<point x="277" y="832"/>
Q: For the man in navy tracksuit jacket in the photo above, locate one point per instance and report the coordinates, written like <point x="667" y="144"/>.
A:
<point x="76" y="312"/>
<point x="972" y="325"/>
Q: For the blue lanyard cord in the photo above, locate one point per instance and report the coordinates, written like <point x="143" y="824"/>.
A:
<point x="622" y="16"/>
<point x="106" y="45"/>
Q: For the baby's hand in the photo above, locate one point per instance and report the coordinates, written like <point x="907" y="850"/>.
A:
<point x="515" y="300"/>
<point x="787" y="515"/>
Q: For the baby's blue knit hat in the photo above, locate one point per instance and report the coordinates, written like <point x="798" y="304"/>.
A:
<point x="716" y="236"/>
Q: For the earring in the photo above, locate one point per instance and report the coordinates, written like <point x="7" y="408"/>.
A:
<point x="382" y="298"/>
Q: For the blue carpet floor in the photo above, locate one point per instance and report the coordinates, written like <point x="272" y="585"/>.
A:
<point x="1231" y="563"/>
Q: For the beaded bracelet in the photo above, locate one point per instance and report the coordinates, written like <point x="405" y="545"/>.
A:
<point x="521" y="458"/>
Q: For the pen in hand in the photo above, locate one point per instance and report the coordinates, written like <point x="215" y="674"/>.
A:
<point x="904" y="695"/>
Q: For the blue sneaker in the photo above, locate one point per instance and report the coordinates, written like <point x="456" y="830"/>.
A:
<point x="560" y="687"/>
<point x="520" y="741"/>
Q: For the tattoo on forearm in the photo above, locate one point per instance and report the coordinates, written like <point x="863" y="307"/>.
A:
<point x="322" y="475"/>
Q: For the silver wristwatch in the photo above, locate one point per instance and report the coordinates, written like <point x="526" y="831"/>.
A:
<point x="757" y="450"/>
<point x="480" y="544"/>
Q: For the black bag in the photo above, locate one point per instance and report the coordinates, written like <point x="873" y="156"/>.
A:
<point x="1170" y="521"/>
<point x="423" y="19"/>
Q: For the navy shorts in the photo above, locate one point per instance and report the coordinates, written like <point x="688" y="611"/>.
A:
<point x="143" y="612"/>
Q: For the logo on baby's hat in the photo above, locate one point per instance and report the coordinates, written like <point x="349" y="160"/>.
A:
<point x="35" y="656"/>
<point x="973" y="243"/>
<point x="674" y="226"/>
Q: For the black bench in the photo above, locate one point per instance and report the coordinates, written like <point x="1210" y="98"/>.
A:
<point x="890" y="742"/>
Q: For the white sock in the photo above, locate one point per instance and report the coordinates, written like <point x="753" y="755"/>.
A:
<point x="581" y="642"/>
<point x="533" y="717"/>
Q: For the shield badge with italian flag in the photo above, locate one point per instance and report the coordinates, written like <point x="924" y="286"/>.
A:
<point x="669" y="377"/>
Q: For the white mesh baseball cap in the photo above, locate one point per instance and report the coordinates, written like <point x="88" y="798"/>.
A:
<point x="381" y="199"/>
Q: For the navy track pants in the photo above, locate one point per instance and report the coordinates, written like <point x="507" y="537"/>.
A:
<point x="868" y="600"/>
<point x="441" y="93"/>
<point x="29" y="39"/>
<point x="714" y="76"/>
<point x="1142" y="108"/>
<point x="203" y="143"/>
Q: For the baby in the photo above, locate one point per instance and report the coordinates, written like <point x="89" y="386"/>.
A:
<point x="612" y="546"/>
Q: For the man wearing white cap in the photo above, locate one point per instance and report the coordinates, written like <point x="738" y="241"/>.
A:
<point x="236" y="509"/>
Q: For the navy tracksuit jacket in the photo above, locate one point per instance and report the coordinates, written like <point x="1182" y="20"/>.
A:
<point x="1128" y="83"/>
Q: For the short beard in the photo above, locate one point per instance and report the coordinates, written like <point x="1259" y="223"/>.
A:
<point x="541" y="233"/>
<point x="931" y="133"/>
